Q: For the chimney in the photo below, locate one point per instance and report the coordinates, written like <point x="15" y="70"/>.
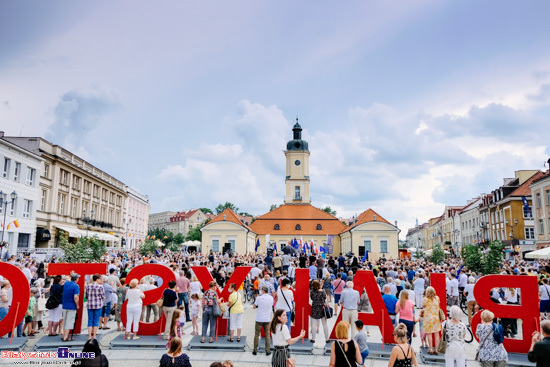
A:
<point x="395" y="223"/>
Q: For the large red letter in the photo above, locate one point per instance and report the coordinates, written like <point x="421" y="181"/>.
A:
<point x="302" y="308"/>
<point x="238" y="277"/>
<point x="82" y="270"/>
<point x="439" y="283"/>
<point x="151" y="296"/>
<point x="20" y="299"/>
<point x="528" y="311"/>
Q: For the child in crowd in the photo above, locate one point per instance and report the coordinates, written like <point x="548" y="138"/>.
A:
<point x="420" y="320"/>
<point x="174" y="326"/>
<point x="361" y="339"/>
<point x="195" y="305"/>
<point x="30" y="314"/>
<point x="181" y="320"/>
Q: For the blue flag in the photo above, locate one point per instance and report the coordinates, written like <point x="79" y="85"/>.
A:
<point x="157" y="252"/>
<point x="322" y="249"/>
<point x="295" y="244"/>
<point x="257" y="245"/>
<point x="274" y="246"/>
<point x="365" y="257"/>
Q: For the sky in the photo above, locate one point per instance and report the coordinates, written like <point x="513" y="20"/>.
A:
<point x="407" y="106"/>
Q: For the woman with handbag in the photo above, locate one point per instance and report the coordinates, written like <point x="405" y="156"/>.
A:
<point x="318" y="298"/>
<point x="344" y="352"/>
<point x="490" y="353"/>
<point x="55" y="306"/>
<point x="169" y="300"/>
<point x="209" y="302"/>
<point x="280" y="336"/>
<point x="236" y="312"/>
<point x="454" y="332"/>
<point x="402" y="355"/>
<point x="432" y="322"/>
<point x="405" y="308"/>
<point x="285" y="301"/>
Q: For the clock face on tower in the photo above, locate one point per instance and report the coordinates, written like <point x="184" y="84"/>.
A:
<point x="297" y="162"/>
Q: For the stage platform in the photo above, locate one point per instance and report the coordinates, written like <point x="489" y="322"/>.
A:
<point x="144" y="341"/>
<point x="17" y="344"/>
<point x="519" y="360"/>
<point x="436" y="359"/>
<point x="296" y="348"/>
<point x="54" y="342"/>
<point x="222" y="344"/>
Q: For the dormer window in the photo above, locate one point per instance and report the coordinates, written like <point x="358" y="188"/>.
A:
<point x="298" y="227"/>
<point x="277" y="227"/>
<point x="319" y="227"/>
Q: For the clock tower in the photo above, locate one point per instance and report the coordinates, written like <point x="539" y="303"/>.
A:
<point x="297" y="169"/>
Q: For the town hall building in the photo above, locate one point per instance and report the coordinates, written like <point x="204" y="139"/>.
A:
<point x="298" y="219"/>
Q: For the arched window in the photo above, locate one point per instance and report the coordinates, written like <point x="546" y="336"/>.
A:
<point x="319" y="227"/>
<point x="298" y="227"/>
<point x="276" y="227"/>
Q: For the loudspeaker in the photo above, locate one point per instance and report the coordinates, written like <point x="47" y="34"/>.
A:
<point x="361" y="251"/>
<point x="227" y="247"/>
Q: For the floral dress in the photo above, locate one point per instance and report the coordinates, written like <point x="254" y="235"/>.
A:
<point x="431" y="315"/>
<point x="121" y="297"/>
<point x="317" y="304"/>
<point x="489" y="349"/>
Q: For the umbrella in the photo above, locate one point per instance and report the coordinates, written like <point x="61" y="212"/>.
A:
<point x="288" y="250"/>
<point x="539" y="254"/>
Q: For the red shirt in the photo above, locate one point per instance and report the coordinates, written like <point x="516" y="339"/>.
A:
<point x="183" y="284"/>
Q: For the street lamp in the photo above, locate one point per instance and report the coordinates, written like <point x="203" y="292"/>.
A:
<point x="87" y="220"/>
<point x="4" y="198"/>
<point x="127" y="224"/>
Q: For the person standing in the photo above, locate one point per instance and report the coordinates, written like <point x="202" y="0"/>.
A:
<point x="540" y="346"/>
<point x="106" y="310"/>
<point x="183" y="284"/>
<point x="286" y="261"/>
<point x="70" y="299"/>
<point x="344" y="351"/>
<point x="544" y="296"/>
<point x="96" y="296"/>
<point x="432" y="324"/>
<point x="349" y="300"/>
<point x="208" y="318"/>
<point x="390" y="301"/>
<point x="419" y="290"/>
<point x="263" y="304"/>
<point x="405" y="309"/>
<point x="169" y="299"/>
<point x="490" y="353"/>
<point x="281" y="339"/>
<point x="135" y="296"/>
<point x="338" y="284"/>
<point x="455" y="331"/>
<point x="318" y="298"/>
<point x="285" y="300"/>
<point x="236" y="310"/>
<point x="56" y="296"/>
<point x="470" y="299"/>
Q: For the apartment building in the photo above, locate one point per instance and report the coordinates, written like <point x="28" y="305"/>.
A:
<point x="540" y="192"/>
<point x="136" y="220"/>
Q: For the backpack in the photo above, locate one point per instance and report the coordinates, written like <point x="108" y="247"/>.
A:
<point x="498" y="333"/>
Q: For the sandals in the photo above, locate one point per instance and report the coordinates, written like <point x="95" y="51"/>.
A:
<point x="238" y="339"/>
<point x="202" y="340"/>
<point x="211" y="340"/>
<point x="230" y="340"/>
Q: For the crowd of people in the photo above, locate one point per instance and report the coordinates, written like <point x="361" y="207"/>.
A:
<point x="404" y="284"/>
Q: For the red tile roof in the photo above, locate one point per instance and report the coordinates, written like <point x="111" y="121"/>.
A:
<point x="524" y="189"/>
<point x="288" y="216"/>
<point x="230" y="216"/>
<point x="365" y="217"/>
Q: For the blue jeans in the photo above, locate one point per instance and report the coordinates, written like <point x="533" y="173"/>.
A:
<point x="184" y="298"/>
<point x="19" y="329"/>
<point x="208" y="318"/>
<point x="364" y="355"/>
<point x="3" y="312"/>
<point x="289" y="321"/>
<point x="93" y="317"/>
<point x="410" y="327"/>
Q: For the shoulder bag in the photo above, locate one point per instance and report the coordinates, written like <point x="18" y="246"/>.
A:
<point x="292" y="314"/>
<point x="481" y="344"/>
<point x="227" y="312"/>
<point x="41" y="304"/>
<point x="160" y="301"/>
<point x="216" y="310"/>
<point x="442" y="346"/>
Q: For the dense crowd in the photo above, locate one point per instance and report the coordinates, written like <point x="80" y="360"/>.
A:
<point x="404" y="284"/>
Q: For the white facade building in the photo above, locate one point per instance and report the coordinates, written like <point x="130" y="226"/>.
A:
<point x="470" y="222"/>
<point x="20" y="173"/>
<point x="136" y="220"/>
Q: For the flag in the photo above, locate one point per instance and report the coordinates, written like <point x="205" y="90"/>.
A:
<point x="16" y="223"/>
<point x="257" y="245"/>
<point x="157" y="251"/>
<point x="1" y="224"/>
<point x="295" y="244"/>
<point x="307" y="246"/>
<point x="8" y="227"/>
<point x="459" y="270"/>
<point x="365" y="257"/>
<point x="274" y="246"/>
<point x="322" y="249"/>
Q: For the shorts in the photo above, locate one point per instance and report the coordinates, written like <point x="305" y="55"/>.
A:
<point x="106" y="310"/>
<point x="28" y="319"/>
<point x="182" y="324"/>
<point x="336" y="298"/>
<point x="70" y="317"/>
<point x="236" y="321"/>
<point x="544" y="306"/>
<point x="93" y="317"/>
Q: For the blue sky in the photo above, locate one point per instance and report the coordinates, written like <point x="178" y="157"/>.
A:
<point x="407" y="106"/>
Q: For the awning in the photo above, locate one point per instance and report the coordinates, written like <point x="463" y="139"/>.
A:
<point x="72" y="231"/>
<point x="43" y="234"/>
<point x="103" y="236"/>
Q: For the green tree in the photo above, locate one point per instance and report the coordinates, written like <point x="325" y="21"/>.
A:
<point x="96" y="246"/>
<point x="329" y="210"/>
<point x="493" y="257"/>
<point x="472" y="257"/>
<point x="148" y="247"/>
<point x="221" y="207"/>
<point x="438" y="254"/>
<point x="417" y="254"/>
<point x="206" y="210"/>
<point x="73" y="252"/>
<point x="245" y="214"/>
<point x="273" y="207"/>
<point x="179" y="238"/>
<point x="194" y="234"/>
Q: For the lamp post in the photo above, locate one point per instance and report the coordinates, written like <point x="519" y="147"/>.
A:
<point x="4" y="198"/>
<point x="126" y="231"/>
<point x="87" y="220"/>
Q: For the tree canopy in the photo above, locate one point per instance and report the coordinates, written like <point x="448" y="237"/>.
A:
<point x="486" y="261"/>
<point x="438" y="254"/>
<point x="221" y="207"/>
<point x="206" y="210"/>
<point x="329" y="210"/>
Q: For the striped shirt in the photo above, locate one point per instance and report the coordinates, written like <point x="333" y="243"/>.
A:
<point x="95" y="295"/>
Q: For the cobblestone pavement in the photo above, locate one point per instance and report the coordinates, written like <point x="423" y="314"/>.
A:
<point x="150" y="357"/>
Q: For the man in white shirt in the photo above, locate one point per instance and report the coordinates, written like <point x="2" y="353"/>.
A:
<point x="263" y="305"/>
<point x="453" y="290"/>
<point x="419" y="290"/>
<point x="462" y="281"/>
<point x="544" y="294"/>
<point x="470" y="300"/>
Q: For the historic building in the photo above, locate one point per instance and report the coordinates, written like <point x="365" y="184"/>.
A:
<point x="540" y="192"/>
<point x="298" y="219"/>
<point x="136" y="220"/>
<point x="19" y="196"/>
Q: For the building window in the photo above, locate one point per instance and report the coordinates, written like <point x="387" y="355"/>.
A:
<point x="541" y="226"/>
<point x="319" y="227"/>
<point x="43" y="201"/>
<point x="547" y="197"/>
<point x="215" y="245"/>
<point x="232" y="242"/>
<point x="17" y="171"/>
<point x="23" y="240"/>
<point x="76" y="183"/>
<point x="46" y="170"/>
<point x="530" y="233"/>
<point x="86" y="187"/>
<point x="527" y="212"/>
<point x="12" y="207"/>
<point x="63" y="180"/>
<point x="30" y="176"/>
<point x="539" y="202"/>
<point x="277" y="227"/>
<point x="383" y="246"/>
<point x="61" y="204"/>
<point x="6" y="171"/>
<point x="368" y="245"/>
<point x="297" y="193"/>
<point x="298" y="227"/>
<point x="27" y="208"/>
<point x="75" y="203"/>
